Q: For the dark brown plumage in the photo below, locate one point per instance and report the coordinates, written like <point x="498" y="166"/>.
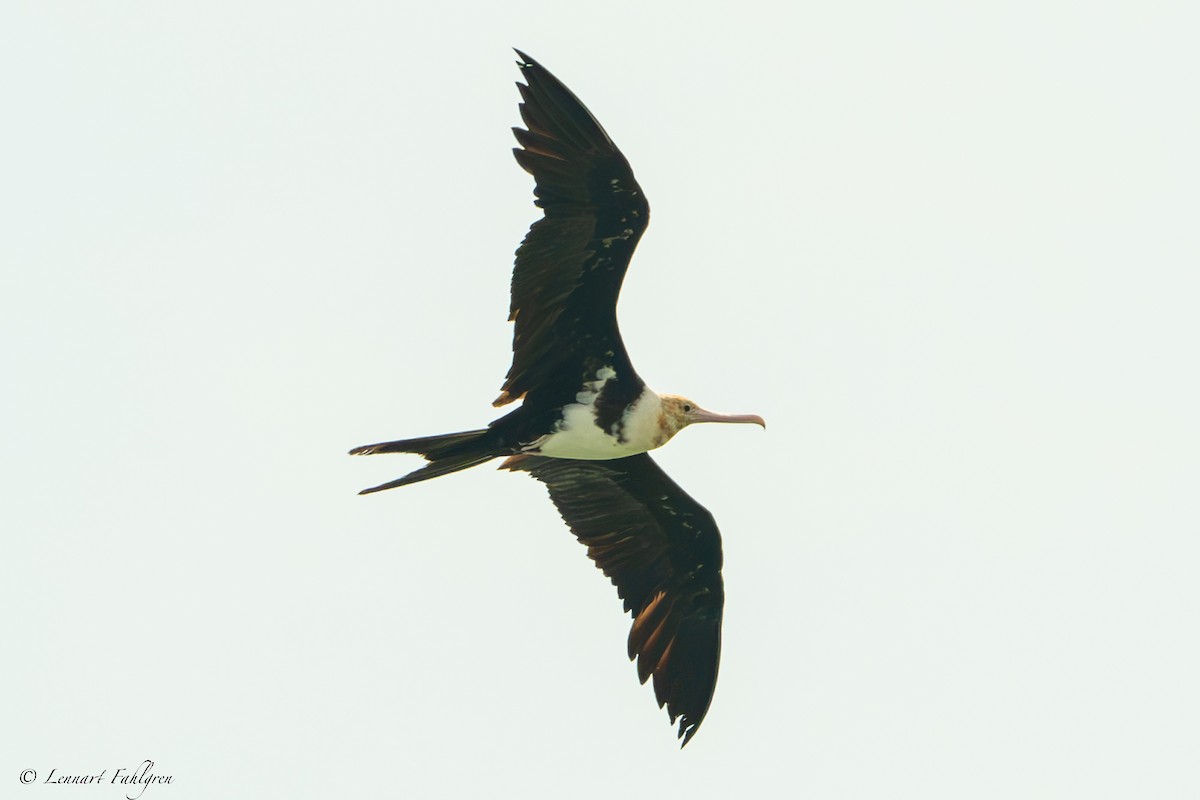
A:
<point x="662" y="551"/>
<point x="570" y="267"/>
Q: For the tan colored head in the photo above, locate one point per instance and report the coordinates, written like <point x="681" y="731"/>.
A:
<point x="679" y="412"/>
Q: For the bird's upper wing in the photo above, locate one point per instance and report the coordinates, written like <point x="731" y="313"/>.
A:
<point x="662" y="550"/>
<point x="570" y="266"/>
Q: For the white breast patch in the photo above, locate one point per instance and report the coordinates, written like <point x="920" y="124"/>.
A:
<point x="578" y="436"/>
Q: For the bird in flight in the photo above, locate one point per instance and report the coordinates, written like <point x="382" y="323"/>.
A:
<point x="587" y="419"/>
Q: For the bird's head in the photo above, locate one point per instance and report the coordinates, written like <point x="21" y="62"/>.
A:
<point x="679" y="412"/>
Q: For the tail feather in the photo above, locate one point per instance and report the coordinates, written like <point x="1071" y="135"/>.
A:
<point x="422" y="445"/>
<point x="432" y="470"/>
<point x="446" y="453"/>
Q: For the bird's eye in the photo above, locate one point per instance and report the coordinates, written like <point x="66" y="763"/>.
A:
<point x="687" y="408"/>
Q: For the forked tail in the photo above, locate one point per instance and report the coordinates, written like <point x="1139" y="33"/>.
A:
<point x="446" y="453"/>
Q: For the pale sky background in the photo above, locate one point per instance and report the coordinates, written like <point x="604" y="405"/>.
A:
<point x="948" y="250"/>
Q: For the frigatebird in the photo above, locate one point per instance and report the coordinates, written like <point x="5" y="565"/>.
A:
<point x="587" y="420"/>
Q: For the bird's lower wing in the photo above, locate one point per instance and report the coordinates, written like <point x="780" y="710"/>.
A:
<point x="662" y="551"/>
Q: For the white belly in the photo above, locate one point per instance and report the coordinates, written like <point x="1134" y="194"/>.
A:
<point x="578" y="435"/>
